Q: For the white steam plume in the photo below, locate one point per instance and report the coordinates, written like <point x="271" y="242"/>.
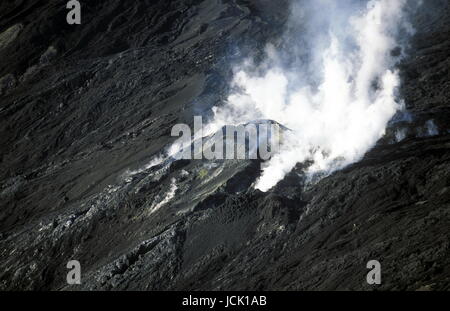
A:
<point x="339" y="91"/>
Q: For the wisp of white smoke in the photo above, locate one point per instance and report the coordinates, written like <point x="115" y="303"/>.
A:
<point x="339" y="101"/>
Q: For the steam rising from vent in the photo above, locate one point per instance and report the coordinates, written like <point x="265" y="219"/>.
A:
<point x="333" y="82"/>
<point x="169" y="196"/>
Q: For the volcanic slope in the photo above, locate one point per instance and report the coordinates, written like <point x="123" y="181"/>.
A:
<point x="85" y="111"/>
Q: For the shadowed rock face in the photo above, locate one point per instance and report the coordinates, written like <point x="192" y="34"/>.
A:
<point x="85" y="111"/>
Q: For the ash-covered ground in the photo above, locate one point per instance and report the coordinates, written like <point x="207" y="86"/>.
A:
<point x="85" y="108"/>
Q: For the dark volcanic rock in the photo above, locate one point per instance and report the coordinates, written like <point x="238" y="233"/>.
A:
<point x="86" y="109"/>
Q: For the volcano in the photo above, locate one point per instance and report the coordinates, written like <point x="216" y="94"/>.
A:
<point x="86" y="116"/>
